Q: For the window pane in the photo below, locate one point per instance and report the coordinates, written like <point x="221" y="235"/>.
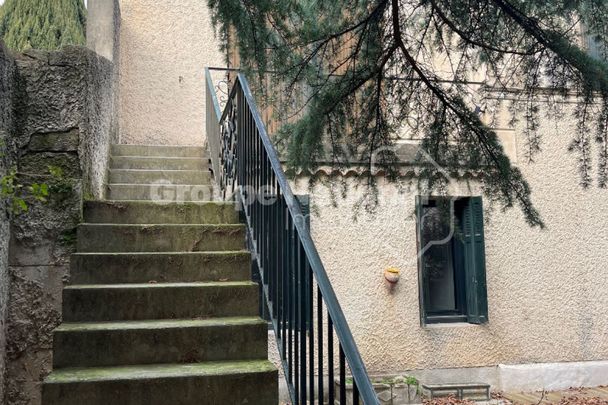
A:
<point x="596" y="49"/>
<point x="438" y="262"/>
<point x="441" y="280"/>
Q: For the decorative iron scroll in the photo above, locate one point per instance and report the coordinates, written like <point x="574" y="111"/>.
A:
<point x="222" y="90"/>
<point x="228" y="145"/>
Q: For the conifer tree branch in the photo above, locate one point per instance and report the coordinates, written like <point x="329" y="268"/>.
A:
<point x="467" y="38"/>
<point x="371" y="69"/>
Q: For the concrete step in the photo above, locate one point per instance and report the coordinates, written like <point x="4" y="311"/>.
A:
<point x="159" y="151"/>
<point x="144" y="212"/>
<point x="161" y="193"/>
<point x="104" y="238"/>
<point x="159" y="177"/>
<point x="122" y="302"/>
<point x="163" y="341"/>
<point x="124" y="268"/>
<point x="158" y="163"/>
<point x="215" y="383"/>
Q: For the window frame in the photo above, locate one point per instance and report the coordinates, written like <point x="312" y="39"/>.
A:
<point x="470" y="287"/>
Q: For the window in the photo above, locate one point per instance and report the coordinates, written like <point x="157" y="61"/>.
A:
<point x="452" y="272"/>
<point x="596" y="48"/>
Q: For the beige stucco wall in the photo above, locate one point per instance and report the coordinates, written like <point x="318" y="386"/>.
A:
<point x="546" y="288"/>
<point x="165" y="46"/>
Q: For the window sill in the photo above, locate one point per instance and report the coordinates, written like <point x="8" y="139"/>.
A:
<point x="443" y="325"/>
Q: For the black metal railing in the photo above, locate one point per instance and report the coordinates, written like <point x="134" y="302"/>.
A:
<point x="307" y="318"/>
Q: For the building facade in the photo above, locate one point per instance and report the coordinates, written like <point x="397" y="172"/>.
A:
<point x="546" y="324"/>
<point x="498" y="301"/>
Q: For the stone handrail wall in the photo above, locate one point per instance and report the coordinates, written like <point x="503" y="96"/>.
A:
<point x="58" y="109"/>
<point x="64" y="106"/>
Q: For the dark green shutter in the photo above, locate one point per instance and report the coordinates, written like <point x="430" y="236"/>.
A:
<point x="475" y="261"/>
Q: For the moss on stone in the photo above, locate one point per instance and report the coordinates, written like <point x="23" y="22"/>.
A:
<point x="159" y="371"/>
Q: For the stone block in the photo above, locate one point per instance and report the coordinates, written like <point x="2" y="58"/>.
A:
<point x="39" y="163"/>
<point x="55" y="141"/>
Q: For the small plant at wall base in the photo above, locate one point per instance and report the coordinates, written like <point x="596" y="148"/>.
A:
<point x="59" y="183"/>
<point x="392" y="390"/>
<point x="69" y="237"/>
<point x="17" y="197"/>
<point x="42" y="24"/>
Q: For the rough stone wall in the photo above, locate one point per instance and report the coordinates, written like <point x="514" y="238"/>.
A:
<point x="7" y="72"/>
<point x="546" y="288"/>
<point x="65" y="119"/>
<point x="165" y="45"/>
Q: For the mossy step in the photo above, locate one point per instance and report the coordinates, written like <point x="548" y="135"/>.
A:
<point x="158" y="150"/>
<point x="158" y="163"/>
<point x="103" y="238"/>
<point x="148" y="212"/>
<point x="160" y="193"/>
<point x="159" y="177"/>
<point x="160" y="341"/>
<point x="225" y="383"/>
<point x="122" y="268"/>
<point x="118" y="302"/>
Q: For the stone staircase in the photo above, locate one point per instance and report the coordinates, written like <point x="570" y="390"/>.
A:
<point x="161" y="309"/>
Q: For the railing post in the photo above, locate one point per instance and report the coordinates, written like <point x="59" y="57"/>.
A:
<point x="302" y="265"/>
<point x="311" y="334"/>
<point x="320" y="344"/>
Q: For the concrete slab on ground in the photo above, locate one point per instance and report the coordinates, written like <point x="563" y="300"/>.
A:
<point x="574" y="396"/>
